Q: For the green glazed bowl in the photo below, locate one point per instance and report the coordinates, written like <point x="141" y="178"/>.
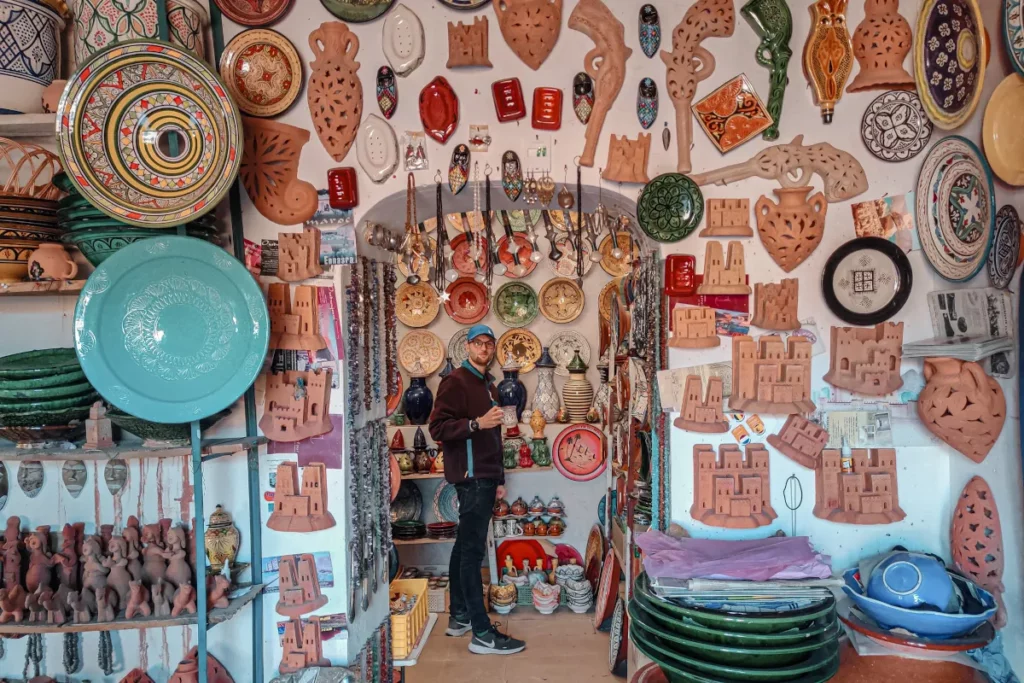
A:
<point x="34" y="364"/>
<point x="97" y="245"/>
<point x="72" y="201"/>
<point x="42" y="418"/>
<point x="44" y="393"/>
<point x="86" y="399"/>
<point x="58" y="380"/>
<point x="64" y="184"/>
<point x="154" y="433"/>
<point x="108" y="223"/>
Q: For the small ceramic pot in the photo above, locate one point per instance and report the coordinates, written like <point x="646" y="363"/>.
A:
<point x="31" y="54"/>
<point x="518" y="508"/>
<point x="501" y="508"/>
<point x="419" y="401"/>
<point x="222" y="539"/>
<point x="51" y="262"/>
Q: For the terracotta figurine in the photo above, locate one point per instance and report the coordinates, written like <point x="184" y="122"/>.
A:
<point x="79" y="606"/>
<point x="94" y="573"/>
<point x="106" y="604"/>
<point x="161" y="606"/>
<point x="138" y="601"/>
<point x="12" y="552"/>
<point x="184" y="600"/>
<point x="12" y="604"/>
<point x="119" y="577"/>
<point x="134" y="545"/>
<point x="154" y="555"/>
<point x="178" y="570"/>
<point x="33" y="604"/>
<point x="217" y="591"/>
<point x="39" y="564"/>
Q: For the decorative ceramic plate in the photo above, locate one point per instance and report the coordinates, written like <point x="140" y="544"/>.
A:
<point x="395" y="400"/>
<point x="1013" y="33"/>
<point x="377" y="148"/>
<point x="408" y="504"/>
<point x="446" y="503"/>
<point x="459" y="221"/>
<point x="357" y="11"/>
<point x="462" y="256"/>
<point x="850" y="615"/>
<point x="561" y="300"/>
<point x="422" y="264"/>
<point x="249" y="13"/>
<point x="171" y="329"/>
<point x="732" y="114"/>
<point x="650" y="673"/>
<point x="867" y="281"/>
<point x="623" y="265"/>
<point x="1002" y="257"/>
<point x="670" y="208"/>
<point x="604" y="299"/>
<point x="416" y="305"/>
<point x="147" y="133"/>
<point x="559" y="221"/>
<point x="578" y="452"/>
<point x="457" y="347"/>
<point x="564" y="345"/>
<point x="948" y="60"/>
<point x="421" y="353"/>
<point x="523" y="346"/>
<point x="639" y="398"/>
<point x="895" y="126"/>
<point x="32" y="364"/>
<point x="954" y="212"/>
<point x="608" y="590"/>
<point x="1001" y="131"/>
<point x="619" y="636"/>
<point x="262" y="71"/>
<point x="523" y="250"/>
<point x="595" y="546"/>
<point x="566" y="265"/>
<point x="467" y="301"/>
<point x="515" y="304"/>
<point x="521" y="549"/>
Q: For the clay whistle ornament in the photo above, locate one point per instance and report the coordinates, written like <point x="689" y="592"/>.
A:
<point x="650" y="30"/>
<point x="530" y="27"/>
<point x="582" y="97"/>
<point x="773" y="23"/>
<point x="828" y="54"/>
<point x="387" y="91"/>
<point x="880" y="44"/>
<point x="458" y="171"/>
<point x="403" y="40"/>
<point x="962" y="405"/>
<point x="335" y="93"/>
<point x="647" y="102"/>
<point x="511" y="175"/>
<point x="439" y="109"/>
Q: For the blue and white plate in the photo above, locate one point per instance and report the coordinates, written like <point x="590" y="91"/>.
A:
<point x="446" y="503"/>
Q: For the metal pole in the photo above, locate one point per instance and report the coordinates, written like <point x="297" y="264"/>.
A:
<point x="197" y="483"/>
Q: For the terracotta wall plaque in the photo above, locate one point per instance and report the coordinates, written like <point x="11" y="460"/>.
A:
<point x="976" y="541"/>
<point x="771" y="375"/>
<point x="880" y="44"/>
<point x="791" y="229"/>
<point x="864" y="492"/>
<point x="800" y="440"/>
<point x="605" y="64"/>
<point x="693" y="327"/>
<point x="627" y="159"/>
<point x="962" y="406"/>
<point x="530" y="27"/>
<point x="298" y="255"/>
<point x="727" y="218"/>
<point x="294" y="327"/>
<point x="828" y="54"/>
<point x="301" y="646"/>
<point x="269" y="171"/>
<point x="732" y="489"/>
<point x="702" y="413"/>
<point x="724" y="275"/>
<point x="296" y="405"/>
<point x="775" y="305"/>
<point x="467" y="44"/>
<point x="299" y="586"/>
<point x="335" y="92"/>
<point x="866" y="360"/>
<point x="300" y="509"/>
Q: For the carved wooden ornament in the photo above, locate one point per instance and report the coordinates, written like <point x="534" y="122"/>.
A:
<point x="530" y="27"/>
<point x="791" y="229"/>
<point x="689" y="63"/>
<point x="605" y="64"/>
<point x="335" y="92"/>
<point x="962" y="406"/>
<point x="627" y="159"/>
<point x="976" y="540"/>
<point x="269" y="172"/>
<point x="468" y="44"/>
<point x="775" y="305"/>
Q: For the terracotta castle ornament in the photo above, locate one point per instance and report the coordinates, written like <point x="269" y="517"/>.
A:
<point x="771" y="375"/>
<point x="976" y="541"/>
<point x="828" y="54"/>
<point x="732" y="489"/>
<point x="335" y="93"/>
<point x="727" y="218"/>
<point x="299" y="586"/>
<point x="468" y="44"/>
<point x="294" y="327"/>
<point x="296" y="405"/>
<point x="689" y="63"/>
<point x="962" y="406"/>
<point x="605" y="64"/>
<point x="269" y="171"/>
<point x="305" y="509"/>
<point x="775" y="305"/>
<point x="530" y="27"/>
<point x="724" y="275"/>
<point x="301" y="646"/>
<point x="627" y="159"/>
<point x="861" y="492"/>
<point x="866" y="360"/>
<point x="702" y="414"/>
<point x="188" y="670"/>
<point x="298" y="255"/>
<point x="693" y="327"/>
<point x="880" y="44"/>
<point x="791" y="229"/>
<point x="800" y="440"/>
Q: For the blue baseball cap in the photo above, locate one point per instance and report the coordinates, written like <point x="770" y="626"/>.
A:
<point x="478" y="330"/>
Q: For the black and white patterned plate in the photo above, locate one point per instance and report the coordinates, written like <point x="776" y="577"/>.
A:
<point x="867" y="281"/>
<point x="895" y="126"/>
<point x="1005" y="248"/>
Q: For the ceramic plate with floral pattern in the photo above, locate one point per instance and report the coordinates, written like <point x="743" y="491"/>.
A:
<point x="732" y="114"/>
<point x="262" y="71"/>
<point x="421" y="353"/>
<point x="467" y="301"/>
<point x="250" y="13"/>
<point x="561" y="300"/>
<point x="357" y="11"/>
<point x="416" y="305"/>
<point x="515" y="304"/>
<point x="949" y="60"/>
<point x="670" y="208"/>
<point x="523" y="346"/>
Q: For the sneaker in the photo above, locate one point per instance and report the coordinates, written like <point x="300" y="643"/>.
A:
<point x="457" y="627"/>
<point x="495" y="643"/>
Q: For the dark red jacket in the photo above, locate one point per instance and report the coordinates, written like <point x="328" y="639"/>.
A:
<point x="466" y="395"/>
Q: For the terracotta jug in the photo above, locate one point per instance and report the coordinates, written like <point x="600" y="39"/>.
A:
<point x="791" y="229"/>
<point x="880" y="44"/>
<point x="335" y="93"/>
<point x="962" y="406"/>
<point x="51" y="262"/>
<point x="270" y="168"/>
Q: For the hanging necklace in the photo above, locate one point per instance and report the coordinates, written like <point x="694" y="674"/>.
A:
<point x="413" y="253"/>
<point x="390" y="330"/>
<point x="375" y="331"/>
<point x="364" y="297"/>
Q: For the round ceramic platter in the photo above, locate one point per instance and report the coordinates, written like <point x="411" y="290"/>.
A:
<point x="408" y="504"/>
<point x="563" y="345"/>
<point x="948" y="60"/>
<point x="895" y="126"/>
<point x="523" y="346"/>
<point x="262" y="71"/>
<point x="421" y="353"/>
<point x="357" y="11"/>
<point x="955" y="217"/>
<point x="862" y="623"/>
<point x="604" y="299"/>
<point x="422" y="264"/>
<point x="458" y="221"/>
<point x="561" y="300"/>
<point x="171" y="329"/>
<point x="249" y="13"/>
<point x="1001" y="131"/>
<point x="446" y="503"/>
<point x="118" y="123"/>
<point x="867" y="281"/>
<point x="523" y="250"/>
<point x="462" y="256"/>
<point x="651" y="673"/>
<point x="630" y="248"/>
<point x="40" y="363"/>
<point x="1013" y="32"/>
<point x="457" y="347"/>
<point x="578" y="452"/>
<point x="595" y="545"/>
<point x="670" y="208"/>
<point x="1002" y="257"/>
<point x="416" y="305"/>
<point x="467" y="301"/>
<point x="515" y="304"/>
<point x="608" y="588"/>
<point x="566" y="266"/>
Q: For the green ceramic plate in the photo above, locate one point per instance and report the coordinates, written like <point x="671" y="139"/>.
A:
<point x="64" y="184"/>
<point x="670" y="208"/>
<point x="515" y="304"/>
<point x="357" y="11"/>
<point x="691" y="629"/>
<point x="88" y="397"/>
<point x="43" y="418"/>
<point x="72" y="201"/>
<point x="58" y="380"/>
<point x="31" y="364"/>
<point x="44" y="393"/>
<point x="156" y="431"/>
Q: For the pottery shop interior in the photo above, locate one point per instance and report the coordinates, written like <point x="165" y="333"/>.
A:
<point x="511" y="341"/>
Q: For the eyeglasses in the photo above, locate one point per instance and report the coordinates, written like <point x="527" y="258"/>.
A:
<point x="482" y="343"/>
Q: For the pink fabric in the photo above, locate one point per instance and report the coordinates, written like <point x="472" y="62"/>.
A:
<point x="757" y="560"/>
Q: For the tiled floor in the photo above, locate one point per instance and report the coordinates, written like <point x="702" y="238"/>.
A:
<point x="560" y="648"/>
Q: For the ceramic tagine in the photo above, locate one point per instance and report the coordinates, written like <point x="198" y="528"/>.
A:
<point x="545" y="396"/>
<point x="540" y="527"/>
<point x="419" y="401"/>
<point x="511" y="390"/>
<point x="556" y="527"/>
<point x="222" y="539"/>
<point x="577" y="394"/>
<point x="555" y="506"/>
<point x="501" y="508"/>
<point x="518" y="508"/>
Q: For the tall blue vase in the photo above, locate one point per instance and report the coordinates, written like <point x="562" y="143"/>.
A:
<point x="419" y="401"/>
<point x="511" y="391"/>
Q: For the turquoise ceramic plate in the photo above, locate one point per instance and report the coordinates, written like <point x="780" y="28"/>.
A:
<point x="171" y="329"/>
<point x="43" y="362"/>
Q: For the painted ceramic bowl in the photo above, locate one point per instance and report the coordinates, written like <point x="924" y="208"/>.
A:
<point x="47" y="417"/>
<point x="913" y="581"/>
<point x="98" y="244"/>
<point x="32" y="43"/>
<point x="160" y="434"/>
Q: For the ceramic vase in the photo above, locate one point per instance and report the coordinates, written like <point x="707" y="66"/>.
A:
<point x="221" y="539"/>
<point x="187" y="21"/>
<point x="545" y="396"/>
<point x="511" y="391"/>
<point x="880" y="43"/>
<point x="828" y="54"/>
<point x="773" y="23"/>
<point x="577" y="394"/>
<point x="101" y="23"/>
<point x="30" y="32"/>
<point x="791" y="229"/>
<point x="447" y="369"/>
<point x="419" y="401"/>
<point x="335" y="94"/>
<point x="541" y="452"/>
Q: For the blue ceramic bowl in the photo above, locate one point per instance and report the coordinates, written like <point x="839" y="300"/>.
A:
<point x="912" y="580"/>
<point x="919" y="621"/>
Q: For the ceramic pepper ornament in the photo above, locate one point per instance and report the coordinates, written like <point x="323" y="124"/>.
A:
<point x="582" y="97"/>
<point x="458" y="170"/>
<point x="650" y="30"/>
<point x="387" y="91"/>
<point x="530" y="27"/>
<point x="335" y="94"/>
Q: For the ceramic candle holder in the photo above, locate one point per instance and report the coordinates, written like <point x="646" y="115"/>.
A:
<point x="881" y="43"/>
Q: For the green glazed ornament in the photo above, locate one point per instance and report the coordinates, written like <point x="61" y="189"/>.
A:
<point x="773" y="23"/>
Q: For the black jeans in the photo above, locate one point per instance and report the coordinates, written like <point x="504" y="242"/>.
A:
<point x="476" y="501"/>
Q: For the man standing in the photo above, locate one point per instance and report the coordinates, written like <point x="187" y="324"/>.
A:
<point x="467" y="420"/>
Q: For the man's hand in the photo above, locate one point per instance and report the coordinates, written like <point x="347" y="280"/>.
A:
<point x="500" y="493"/>
<point x="491" y="419"/>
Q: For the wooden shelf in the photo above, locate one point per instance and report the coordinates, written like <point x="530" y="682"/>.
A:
<point x="422" y="476"/>
<point x="212" y="448"/>
<point x="28" y="125"/>
<point x="518" y="470"/>
<point x="215" y="616"/>
<point x="39" y="288"/>
<point x="423" y="541"/>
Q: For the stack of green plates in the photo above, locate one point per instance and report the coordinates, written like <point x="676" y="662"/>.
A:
<point x="97" y="235"/>
<point x="44" y="396"/>
<point x="703" y="645"/>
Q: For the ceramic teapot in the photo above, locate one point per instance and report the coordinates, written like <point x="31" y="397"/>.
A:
<point x="51" y="262"/>
<point x="518" y="508"/>
<point x="540" y="528"/>
<point x="556" y="527"/>
<point x="528" y="528"/>
<point x="405" y="462"/>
